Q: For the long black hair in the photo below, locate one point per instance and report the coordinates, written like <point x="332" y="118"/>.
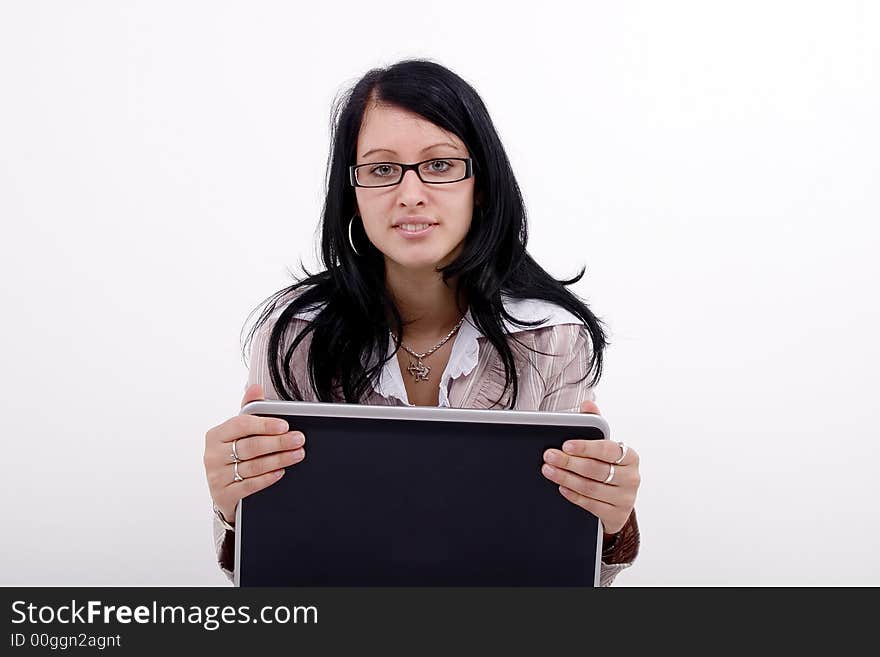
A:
<point x="351" y="331"/>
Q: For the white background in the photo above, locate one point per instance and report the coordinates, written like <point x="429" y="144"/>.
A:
<point x="714" y="165"/>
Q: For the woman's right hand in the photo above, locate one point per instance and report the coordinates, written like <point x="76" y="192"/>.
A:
<point x="265" y="447"/>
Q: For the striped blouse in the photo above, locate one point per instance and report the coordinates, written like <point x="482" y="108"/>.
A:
<point x="548" y="375"/>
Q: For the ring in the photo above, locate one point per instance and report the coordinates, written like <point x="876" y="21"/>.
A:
<point x="238" y="477"/>
<point x="622" y="453"/>
<point x="610" y="474"/>
<point x="235" y="457"/>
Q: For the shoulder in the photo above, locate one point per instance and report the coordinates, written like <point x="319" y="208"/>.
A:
<point x="554" y="322"/>
<point x="292" y="332"/>
<point x="558" y="338"/>
<point x="279" y="305"/>
<point x="291" y="324"/>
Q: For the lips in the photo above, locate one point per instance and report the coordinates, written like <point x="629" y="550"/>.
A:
<point x="414" y="220"/>
<point x="424" y="229"/>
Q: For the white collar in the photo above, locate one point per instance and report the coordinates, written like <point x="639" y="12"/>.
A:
<point x="465" y="348"/>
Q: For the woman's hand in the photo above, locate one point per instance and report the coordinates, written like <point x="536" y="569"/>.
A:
<point x="583" y="468"/>
<point x="264" y="447"/>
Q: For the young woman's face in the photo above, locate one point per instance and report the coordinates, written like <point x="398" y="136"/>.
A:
<point x="391" y="134"/>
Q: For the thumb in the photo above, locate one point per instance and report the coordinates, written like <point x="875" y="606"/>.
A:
<point x="589" y="407"/>
<point x="254" y="392"/>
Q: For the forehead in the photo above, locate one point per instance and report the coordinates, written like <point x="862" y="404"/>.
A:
<point x="401" y="131"/>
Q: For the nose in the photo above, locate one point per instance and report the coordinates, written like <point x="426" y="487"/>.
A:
<point x="411" y="190"/>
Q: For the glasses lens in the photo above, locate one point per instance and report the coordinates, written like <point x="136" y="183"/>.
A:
<point x="441" y="171"/>
<point x="376" y="175"/>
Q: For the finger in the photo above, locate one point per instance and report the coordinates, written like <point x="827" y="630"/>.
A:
<point x="221" y="476"/>
<point x="603" y="450"/>
<point x="249" y="486"/>
<point x="263" y="464"/>
<point x="583" y="485"/>
<point x="590" y="468"/>
<point x="251" y="447"/>
<point x="247" y="425"/>
<point x="254" y="392"/>
<point x="613" y="517"/>
<point x="589" y="407"/>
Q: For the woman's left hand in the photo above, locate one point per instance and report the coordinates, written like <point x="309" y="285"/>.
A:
<point x="591" y="474"/>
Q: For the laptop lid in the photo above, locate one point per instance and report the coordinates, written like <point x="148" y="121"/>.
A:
<point x="418" y="496"/>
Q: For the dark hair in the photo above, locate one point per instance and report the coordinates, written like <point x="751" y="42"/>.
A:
<point x="352" y="326"/>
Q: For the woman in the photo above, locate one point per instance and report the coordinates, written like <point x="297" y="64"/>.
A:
<point x="429" y="298"/>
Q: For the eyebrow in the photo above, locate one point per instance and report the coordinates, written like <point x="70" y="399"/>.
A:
<point x="427" y="148"/>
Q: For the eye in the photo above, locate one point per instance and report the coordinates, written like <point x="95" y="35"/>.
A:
<point x="381" y="170"/>
<point x="439" y="166"/>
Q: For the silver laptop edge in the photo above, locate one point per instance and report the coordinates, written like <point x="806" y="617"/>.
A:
<point x="430" y="413"/>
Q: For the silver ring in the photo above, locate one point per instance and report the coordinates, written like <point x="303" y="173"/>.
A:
<point x="622" y="454"/>
<point x="235" y="457"/>
<point x="238" y="477"/>
<point x="610" y="474"/>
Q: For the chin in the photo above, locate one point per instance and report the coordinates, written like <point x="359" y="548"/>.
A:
<point x="418" y="261"/>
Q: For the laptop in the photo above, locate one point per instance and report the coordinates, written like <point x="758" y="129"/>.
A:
<point x="418" y="496"/>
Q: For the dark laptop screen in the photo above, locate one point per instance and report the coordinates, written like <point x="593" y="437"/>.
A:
<point x="382" y="502"/>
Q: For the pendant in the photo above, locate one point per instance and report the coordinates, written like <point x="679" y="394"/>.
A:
<point x="419" y="371"/>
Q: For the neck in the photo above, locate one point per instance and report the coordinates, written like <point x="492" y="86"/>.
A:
<point x="427" y="305"/>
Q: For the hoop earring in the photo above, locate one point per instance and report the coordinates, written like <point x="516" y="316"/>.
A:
<point x="351" y="241"/>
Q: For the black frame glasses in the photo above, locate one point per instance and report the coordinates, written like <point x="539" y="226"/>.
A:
<point x="468" y="172"/>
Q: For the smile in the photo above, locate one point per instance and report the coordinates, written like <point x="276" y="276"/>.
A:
<point x="411" y="231"/>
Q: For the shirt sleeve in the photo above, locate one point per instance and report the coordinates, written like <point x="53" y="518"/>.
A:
<point x="622" y="553"/>
<point x="258" y="363"/>
<point x="566" y="389"/>
<point x="224" y="544"/>
<point x="566" y="383"/>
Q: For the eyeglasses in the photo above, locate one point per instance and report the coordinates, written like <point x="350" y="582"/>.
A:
<point x="438" y="171"/>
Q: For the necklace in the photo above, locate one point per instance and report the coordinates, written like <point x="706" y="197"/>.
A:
<point x="419" y="370"/>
